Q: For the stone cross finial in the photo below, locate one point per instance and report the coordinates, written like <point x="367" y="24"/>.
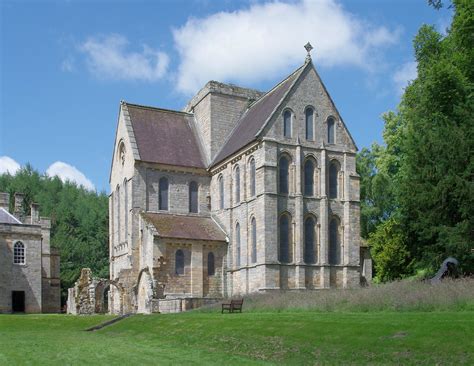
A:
<point x="308" y="47"/>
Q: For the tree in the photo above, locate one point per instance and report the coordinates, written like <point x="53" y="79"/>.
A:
<point x="427" y="162"/>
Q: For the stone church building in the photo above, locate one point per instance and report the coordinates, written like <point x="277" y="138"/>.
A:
<point x="240" y="192"/>
<point x="29" y="267"/>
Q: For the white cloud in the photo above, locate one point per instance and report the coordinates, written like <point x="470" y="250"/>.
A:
<point x="67" y="172"/>
<point x="108" y="57"/>
<point x="8" y="165"/>
<point x="405" y="73"/>
<point x="68" y="65"/>
<point x="264" y="40"/>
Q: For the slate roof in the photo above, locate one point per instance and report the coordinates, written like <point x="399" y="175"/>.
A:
<point x="185" y="227"/>
<point x="165" y="136"/>
<point x="255" y="117"/>
<point x="7" y="218"/>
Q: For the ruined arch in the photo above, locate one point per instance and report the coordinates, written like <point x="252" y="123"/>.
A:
<point x="104" y="291"/>
<point x="144" y="292"/>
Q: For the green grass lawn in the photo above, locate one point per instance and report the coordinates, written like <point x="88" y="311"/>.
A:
<point x="249" y="338"/>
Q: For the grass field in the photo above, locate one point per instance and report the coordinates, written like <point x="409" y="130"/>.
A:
<point x="422" y="338"/>
<point x="401" y="323"/>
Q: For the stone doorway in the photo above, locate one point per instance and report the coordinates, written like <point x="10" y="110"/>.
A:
<point x="18" y="301"/>
<point x="105" y="306"/>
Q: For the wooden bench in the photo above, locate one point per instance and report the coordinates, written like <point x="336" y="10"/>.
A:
<point x="233" y="306"/>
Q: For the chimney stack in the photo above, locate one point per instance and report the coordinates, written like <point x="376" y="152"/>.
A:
<point x="4" y="200"/>
<point x="34" y="213"/>
<point x="18" y="205"/>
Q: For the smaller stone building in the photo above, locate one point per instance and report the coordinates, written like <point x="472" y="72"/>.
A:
<point x="29" y="267"/>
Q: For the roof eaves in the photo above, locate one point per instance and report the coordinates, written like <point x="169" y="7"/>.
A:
<point x="11" y="216"/>
<point x="221" y="228"/>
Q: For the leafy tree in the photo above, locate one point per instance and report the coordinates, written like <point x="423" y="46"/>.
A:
<point x="389" y="249"/>
<point x="79" y="221"/>
<point x="428" y="159"/>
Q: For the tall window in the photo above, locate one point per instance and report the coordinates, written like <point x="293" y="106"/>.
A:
<point x="253" y="225"/>
<point x="117" y="196"/>
<point x="211" y="268"/>
<point x="331" y="131"/>
<point x="334" y="242"/>
<point x="19" y="253"/>
<point x="125" y="207"/>
<point x="237" y="245"/>
<point x="179" y="262"/>
<point x="333" y="179"/>
<point x="287" y="124"/>
<point x="309" y="178"/>
<point x="193" y="197"/>
<point x="309" y="226"/>
<point x="283" y="174"/>
<point x="237" y="184"/>
<point x="309" y="123"/>
<point x="121" y="153"/>
<point x="252" y="177"/>
<point x="284" y="239"/>
<point x="221" y="192"/>
<point x="163" y="187"/>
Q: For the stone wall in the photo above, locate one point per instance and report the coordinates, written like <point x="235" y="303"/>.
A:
<point x="91" y="295"/>
<point x="20" y="277"/>
<point x="137" y="249"/>
<point x="269" y="204"/>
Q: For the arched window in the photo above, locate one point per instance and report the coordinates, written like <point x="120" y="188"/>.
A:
<point x="309" y="178"/>
<point x="333" y="179"/>
<point x="309" y="231"/>
<point x="211" y="269"/>
<point x="252" y="177"/>
<point x="253" y="225"/>
<point x="287" y="124"/>
<point x="331" y="130"/>
<point x="125" y="207"/>
<point x="179" y="262"/>
<point x="237" y="245"/>
<point x="19" y="253"/>
<point x="284" y="165"/>
<point x="309" y="123"/>
<point x="117" y="196"/>
<point x="237" y="184"/>
<point x="121" y="152"/>
<point x="163" y="187"/>
<point x="334" y="242"/>
<point x="221" y="192"/>
<point x="193" y="197"/>
<point x="284" y="239"/>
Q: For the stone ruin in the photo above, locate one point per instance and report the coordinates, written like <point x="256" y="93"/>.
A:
<point x="90" y="295"/>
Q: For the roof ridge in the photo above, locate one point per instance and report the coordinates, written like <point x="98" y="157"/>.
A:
<point x="297" y="73"/>
<point x="166" y="110"/>
<point x="274" y="88"/>
<point x="298" y="70"/>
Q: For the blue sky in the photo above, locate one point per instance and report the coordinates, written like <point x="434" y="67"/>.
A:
<point x="65" y="65"/>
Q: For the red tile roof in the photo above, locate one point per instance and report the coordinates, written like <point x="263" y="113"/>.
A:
<point x="185" y="227"/>
<point x="165" y="136"/>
